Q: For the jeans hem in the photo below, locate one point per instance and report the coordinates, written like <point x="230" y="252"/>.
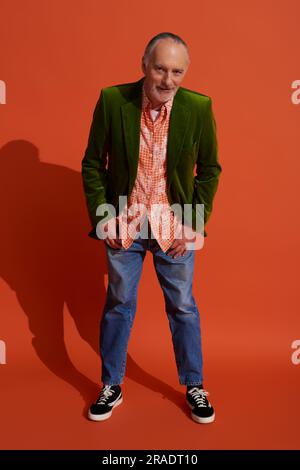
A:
<point x="187" y="382"/>
<point x="104" y="382"/>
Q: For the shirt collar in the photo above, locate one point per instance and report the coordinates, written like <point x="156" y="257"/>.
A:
<point x="146" y="102"/>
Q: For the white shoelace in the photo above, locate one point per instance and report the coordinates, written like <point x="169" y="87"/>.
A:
<point x="200" y="396"/>
<point x="105" y="394"/>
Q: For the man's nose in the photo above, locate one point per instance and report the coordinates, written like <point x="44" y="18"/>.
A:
<point x="167" y="81"/>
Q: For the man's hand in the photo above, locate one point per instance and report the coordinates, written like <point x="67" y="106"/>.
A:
<point x="183" y="235"/>
<point x="112" y="239"/>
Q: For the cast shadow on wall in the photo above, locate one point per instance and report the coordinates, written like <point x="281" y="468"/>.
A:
<point x="48" y="260"/>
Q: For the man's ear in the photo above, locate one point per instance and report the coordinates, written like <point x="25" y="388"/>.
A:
<point x="143" y="66"/>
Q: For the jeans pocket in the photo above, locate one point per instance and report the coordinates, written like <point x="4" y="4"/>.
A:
<point x="111" y="248"/>
<point x="181" y="257"/>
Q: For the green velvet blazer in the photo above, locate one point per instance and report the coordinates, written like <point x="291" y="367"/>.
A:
<point x="110" y="162"/>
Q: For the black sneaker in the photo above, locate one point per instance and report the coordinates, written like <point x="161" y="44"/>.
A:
<point x="110" y="397"/>
<point x="202" y="411"/>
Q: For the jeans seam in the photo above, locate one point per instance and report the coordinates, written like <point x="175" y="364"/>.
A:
<point x="131" y="320"/>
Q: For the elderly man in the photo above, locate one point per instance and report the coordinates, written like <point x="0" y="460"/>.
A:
<point x="145" y="141"/>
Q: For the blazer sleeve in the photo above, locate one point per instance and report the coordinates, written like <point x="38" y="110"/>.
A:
<point x="208" y="168"/>
<point x="94" y="162"/>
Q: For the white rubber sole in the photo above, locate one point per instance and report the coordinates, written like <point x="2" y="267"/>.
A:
<point x="105" y="415"/>
<point x="196" y="418"/>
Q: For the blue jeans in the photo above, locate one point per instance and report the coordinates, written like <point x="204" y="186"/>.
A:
<point x="175" y="277"/>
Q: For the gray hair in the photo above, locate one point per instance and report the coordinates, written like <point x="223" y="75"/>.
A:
<point x="165" y="35"/>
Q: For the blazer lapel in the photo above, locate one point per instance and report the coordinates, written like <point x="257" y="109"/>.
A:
<point x="131" y="114"/>
<point x="179" y="123"/>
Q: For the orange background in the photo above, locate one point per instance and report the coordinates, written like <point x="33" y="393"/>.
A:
<point x="55" y="57"/>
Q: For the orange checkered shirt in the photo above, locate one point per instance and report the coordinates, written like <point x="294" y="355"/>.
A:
<point x="150" y="187"/>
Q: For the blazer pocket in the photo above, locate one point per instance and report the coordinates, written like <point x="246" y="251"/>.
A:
<point x="190" y="150"/>
<point x="190" y="146"/>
